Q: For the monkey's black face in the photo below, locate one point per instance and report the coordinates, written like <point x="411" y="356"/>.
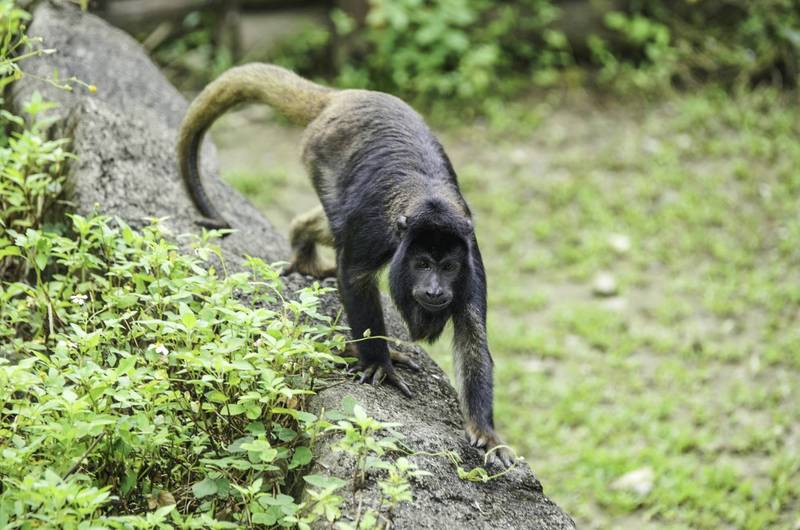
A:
<point x="435" y="263"/>
<point x="427" y="279"/>
<point x="433" y="279"/>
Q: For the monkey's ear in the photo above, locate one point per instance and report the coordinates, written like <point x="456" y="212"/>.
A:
<point x="402" y="223"/>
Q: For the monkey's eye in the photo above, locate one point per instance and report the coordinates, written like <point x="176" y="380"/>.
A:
<point x="449" y="266"/>
<point x="422" y="265"/>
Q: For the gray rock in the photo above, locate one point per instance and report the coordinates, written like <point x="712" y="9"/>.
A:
<point x="124" y="137"/>
<point x="125" y="133"/>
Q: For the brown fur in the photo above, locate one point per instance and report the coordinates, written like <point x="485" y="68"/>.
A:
<point x="307" y="231"/>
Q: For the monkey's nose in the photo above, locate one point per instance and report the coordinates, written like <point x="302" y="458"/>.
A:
<point x="434" y="294"/>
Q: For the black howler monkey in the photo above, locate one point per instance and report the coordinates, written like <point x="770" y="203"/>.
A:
<point x="389" y="196"/>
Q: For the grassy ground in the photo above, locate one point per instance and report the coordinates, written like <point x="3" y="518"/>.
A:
<point x="690" y="374"/>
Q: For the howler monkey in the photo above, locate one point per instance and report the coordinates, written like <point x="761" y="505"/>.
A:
<point x="389" y="196"/>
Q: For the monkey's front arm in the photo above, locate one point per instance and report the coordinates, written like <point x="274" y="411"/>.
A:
<point x="362" y="304"/>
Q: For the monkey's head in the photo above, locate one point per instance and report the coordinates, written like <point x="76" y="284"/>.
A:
<point x="430" y="268"/>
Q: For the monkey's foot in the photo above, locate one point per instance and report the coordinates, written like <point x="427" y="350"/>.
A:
<point x="375" y="374"/>
<point x="398" y="357"/>
<point x="497" y="452"/>
<point x="213" y="224"/>
<point x="313" y="269"/>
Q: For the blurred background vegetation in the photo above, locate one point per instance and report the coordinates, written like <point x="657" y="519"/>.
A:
<point x="468" y="51"/>
<point x="633" y="166"/>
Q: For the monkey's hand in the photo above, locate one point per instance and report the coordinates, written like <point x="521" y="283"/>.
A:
<point x="496" y="451"/>
<point x="377" y="372"/>
<point x="398" y="358"/>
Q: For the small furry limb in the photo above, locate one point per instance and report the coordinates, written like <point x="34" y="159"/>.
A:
<point x="473" y="371"/>
<point x="307" y="231"/>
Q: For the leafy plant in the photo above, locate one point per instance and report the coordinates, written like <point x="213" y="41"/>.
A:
<point x="31" y="180"/>
<point x="732" y="42"/>
<point x="360" y="438"/>
<point x="145" y="379"/>
<point x="430" y="51"/>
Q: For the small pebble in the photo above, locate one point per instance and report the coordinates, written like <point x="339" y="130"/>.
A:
<point x="639" y="481"/>
<point x="620" y="243"/>
<point x="518" y="156"/>
<point x="604" y="284"/>
<point x="651" y="146"/>
<point x="617" y="304"/>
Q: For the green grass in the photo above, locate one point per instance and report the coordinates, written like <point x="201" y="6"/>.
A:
<point x="693" y="370"/>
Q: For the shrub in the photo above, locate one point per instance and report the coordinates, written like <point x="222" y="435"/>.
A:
<point x="144" y="380"/>
<point x="463" y="49"/>
<point x="473" y="50"/>
<point x="729" y="42"/>
<point x="135" y="379"/>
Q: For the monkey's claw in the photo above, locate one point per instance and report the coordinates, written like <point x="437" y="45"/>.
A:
<point x="374" y="374"/>
<point x="485" y="438"/>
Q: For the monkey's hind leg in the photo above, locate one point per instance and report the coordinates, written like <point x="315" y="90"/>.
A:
<point x="307" y="231"/>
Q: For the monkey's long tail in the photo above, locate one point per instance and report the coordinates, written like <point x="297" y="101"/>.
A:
<point x="296" y="98"/>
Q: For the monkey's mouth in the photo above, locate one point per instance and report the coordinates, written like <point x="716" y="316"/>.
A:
<point x="433" y="308"/>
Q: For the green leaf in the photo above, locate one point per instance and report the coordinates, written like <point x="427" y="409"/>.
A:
<point x="40" y="259"/>
<point x="359" y="413"/>
<point x="349" y="404"/>
<point x="10" y="251"/>
<point x="187" y="316"/>
<point x="128" y="482"/>
<point x="278" y="500"/>
<point x="265" y="518"/>
<point x="215" y="396"/>
<point x="204" y="488"/>
<point x="302" y="456"/>
<point x="324" y="481"/>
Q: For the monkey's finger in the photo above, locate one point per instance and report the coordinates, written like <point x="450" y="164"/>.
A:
<point x="501" y="457"/>
<point x="377" y="376"/>
<point x="354" y="368"/>
<point x="397" y="381"/>
<point x="472" y="438"/>
<point x="476" y="439"/>
<point x="405" y="359"/>
<point x="506" y="457"/>
<point x="367" y="374"/>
